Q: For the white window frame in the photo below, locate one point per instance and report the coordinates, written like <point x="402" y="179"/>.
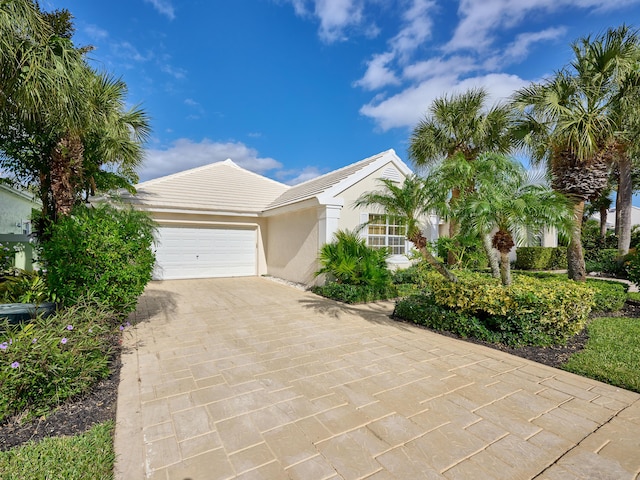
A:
<point x="385" y="231"/>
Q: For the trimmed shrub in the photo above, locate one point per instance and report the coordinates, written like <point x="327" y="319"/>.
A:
<point x="346" y="293"/>
<point x="102" y="252"/>
<point x="604" y="260"/>
<point x="609" y="295"/>
<point x="531" y="311"/>
<point x="51" y="359"/>
<point x="632" y="266"/>
<point x="423" y="310"/>
<point x="541" y="258"/>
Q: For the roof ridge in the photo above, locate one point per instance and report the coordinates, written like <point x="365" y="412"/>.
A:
<point x="351" y="165"/>
<point x="228" y="162"/>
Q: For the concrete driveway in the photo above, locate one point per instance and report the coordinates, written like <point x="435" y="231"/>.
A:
<point x="247" y="378"/>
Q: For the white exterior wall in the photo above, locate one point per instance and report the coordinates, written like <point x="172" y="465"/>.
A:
<point x="293" y="244"/>
<point x="15" y="209"/>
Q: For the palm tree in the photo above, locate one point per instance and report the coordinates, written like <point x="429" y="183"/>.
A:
<point x="571" y="123"/>
<point x="461" y="125"/>
<point x="503" y="200"/>
<point x="411" y="203"/>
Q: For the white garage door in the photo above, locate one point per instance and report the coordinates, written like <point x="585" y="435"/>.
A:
<point x="204" y="252"/>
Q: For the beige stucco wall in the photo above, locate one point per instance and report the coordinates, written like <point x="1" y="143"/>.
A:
<point x="350" y="215"/>
<point x="292" y="245"/>
<point x="203" y="220"/>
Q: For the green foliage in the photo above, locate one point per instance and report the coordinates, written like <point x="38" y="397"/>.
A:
<point x="633" y="297"/>
<point x="467" y="250"/>
<point x="423" y="310"/>
<point x="604" y="260"/>
<point x="89" y="455"/>
<point x="51" y="359"/>
<point x="103" y="252"/>
<point x="541" y="258"/>
<point x="609" y="295"/>
<point x="7" y="257"/>
<point x="631" y="263"/>
<point x="25" y="287"/>
<point x="635" y="236"/>
<point x="591" y="239"/>
<point x="348" y="293"/>
<point x="350" y="261"/>
<point x="531" y="311"/>
<point x="415" y="274"/>
<point x="612" y="354"/>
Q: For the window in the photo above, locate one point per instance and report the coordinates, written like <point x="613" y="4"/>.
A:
<point x="386" y="231"/>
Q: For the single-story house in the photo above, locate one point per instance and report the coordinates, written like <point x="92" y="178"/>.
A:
<point x="16" y="209"/>
<point x="221" y="220"/>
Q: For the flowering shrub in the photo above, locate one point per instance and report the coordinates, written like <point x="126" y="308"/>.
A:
<point x="49" y="360"/>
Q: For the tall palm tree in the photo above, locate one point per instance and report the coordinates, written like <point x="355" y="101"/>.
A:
<point x="571" y="123"/>
<point x="505" y="201"/>
<point x="461" y="125"/>
<point x="412" y="204"/>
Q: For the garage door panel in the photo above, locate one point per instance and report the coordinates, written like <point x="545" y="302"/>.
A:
<point x="184" y="252"/>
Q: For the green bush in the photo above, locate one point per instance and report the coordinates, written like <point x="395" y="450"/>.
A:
<point x="423" y="310"/>
<point x="346" y="293"/>
<point x="531" y="311"/>
<point x="25" y="287"/>
<point x="604" y="260"/>
<point x="348" y="260"/>
<point x="467" y="251"/>
<point x="51" y="359"/>
<point x="102" y="252"/>
<point x="609" y="295"/>
<point x="541" y="258"/>
<point x="632" y="266"/>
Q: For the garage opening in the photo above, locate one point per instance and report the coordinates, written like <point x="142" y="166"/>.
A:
<point x="199" y="252"/>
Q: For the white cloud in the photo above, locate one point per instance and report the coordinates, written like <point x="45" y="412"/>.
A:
<point x="163" y="7"/>
<point x="406" y="108"/>
<point x="378" y="75"/>
<point x="437" y="66"/>
<point x="294" y="177"/>
<point x="335" y="16"/>
<point x="95" y="33"/>
<point x="184" y="154"/>
<point x="417" y="27"/>
<point x="177" y="73"/>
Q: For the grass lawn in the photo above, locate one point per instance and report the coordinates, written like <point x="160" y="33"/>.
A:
<point x="612" y="354"/>
<point x="81" y="457"/>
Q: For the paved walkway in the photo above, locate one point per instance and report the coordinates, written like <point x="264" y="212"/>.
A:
<point x="246" y="378"/>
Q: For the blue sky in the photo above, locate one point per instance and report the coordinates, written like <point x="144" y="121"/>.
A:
<point x="295" y="88"/>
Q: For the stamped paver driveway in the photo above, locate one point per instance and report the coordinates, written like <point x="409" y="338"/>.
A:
<point x="247" y="378"/>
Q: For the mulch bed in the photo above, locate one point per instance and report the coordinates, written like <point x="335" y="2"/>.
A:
<point x="99" y="405"/>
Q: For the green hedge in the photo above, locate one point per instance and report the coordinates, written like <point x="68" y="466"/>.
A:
<point x="604" y="260"/>
<point x="530" y="312"/>
<point x="609" y="295"/>
<point x="422" y="310"/>
<point x="541" y="258"/>
<point x="355" y="293"/>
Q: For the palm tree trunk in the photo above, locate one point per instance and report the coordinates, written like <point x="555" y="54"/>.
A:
<point x="624" y="199"/>
<point x="604" y="211"/>
<point x="575" y="257"/>
<point x="421" y="244"/>
<point x="491" y="254"/>
<point x="505" y="268"/>
<point x="453" y="226"/>
<point x="65" y="170"/>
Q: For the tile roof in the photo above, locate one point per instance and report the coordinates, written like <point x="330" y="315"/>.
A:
<point x="319" y="185"/>
<point x="221" y="186"/>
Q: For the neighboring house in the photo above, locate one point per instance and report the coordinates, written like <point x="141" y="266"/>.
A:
<point x="611" y="217"/>
<point x="16" y="208"/>
<point x="221" y="220"/>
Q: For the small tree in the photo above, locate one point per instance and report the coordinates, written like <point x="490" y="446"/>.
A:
<point x="102" y="252"/>
<point x="504" y="202"/>
<point x="411" y="202"/>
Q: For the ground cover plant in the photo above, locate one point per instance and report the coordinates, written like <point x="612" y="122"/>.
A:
<point x="88" y="455"/>
<point x="49" y="360"/>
